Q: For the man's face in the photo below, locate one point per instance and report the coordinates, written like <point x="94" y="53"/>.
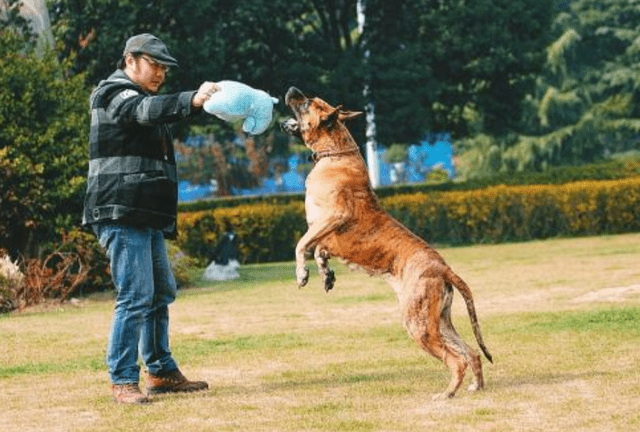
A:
<point x="146" y="72"/>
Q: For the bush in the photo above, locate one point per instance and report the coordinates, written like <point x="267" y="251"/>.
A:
<point x="85" y="248"/>
<point x="11" y="279"/>
<point x="185" y="268"/>
<point x="75" y="266"/>
<point x="489" y="215"/>
<point x="519" y="213"/>
<point x="44" y="125"/>
<point x="396" y="153"/>
<point x="266" y="232"/>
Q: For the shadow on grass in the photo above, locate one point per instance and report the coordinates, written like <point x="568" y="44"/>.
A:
<point x="389" y="380"/>
<point x="250" y="276"/>
<point x="545" y="379"/>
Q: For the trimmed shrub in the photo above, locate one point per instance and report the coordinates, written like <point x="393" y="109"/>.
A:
<point x="519" y="213"/>
<point x="269" y="232"/>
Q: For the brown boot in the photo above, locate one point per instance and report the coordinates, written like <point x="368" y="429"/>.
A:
<point x="129" y="394"/>
<point x="172" y="382"/>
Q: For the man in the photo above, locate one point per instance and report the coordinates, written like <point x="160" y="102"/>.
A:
<point x="131" y="204"/>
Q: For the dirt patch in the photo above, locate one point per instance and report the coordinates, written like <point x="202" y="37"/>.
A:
<point x="610" y="295"/>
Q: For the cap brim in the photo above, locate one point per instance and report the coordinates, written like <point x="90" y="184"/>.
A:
<point x="167" y="61"/>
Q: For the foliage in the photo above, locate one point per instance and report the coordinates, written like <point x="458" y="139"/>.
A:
<point x="266" y="232"/>
<point x="11" y="279"/>
<point x="75" y="266"/>
<point x="83" y="246"/>
<point x="53" y="278"/>
<point x="240" y="163"/>
<point x="265" y="43"/>
<point x="518" y="213"/>
<point x="396" y="153"/>
<point x="437" y="175"/>
<point x="488" y="215"/>
<point x="430" y="63"/>
<point x="587" y="98"/>
<point x="185" y="268"/>
<point x="483" y="57"/>
<point x="44" y="125"/>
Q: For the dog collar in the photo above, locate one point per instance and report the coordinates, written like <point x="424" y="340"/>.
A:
<point x="316" y="156"/>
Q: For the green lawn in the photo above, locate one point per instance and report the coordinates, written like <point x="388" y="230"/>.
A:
<point x="561" y="318"/>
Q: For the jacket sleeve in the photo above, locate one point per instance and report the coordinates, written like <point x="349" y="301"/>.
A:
<point x="132" y="107"/>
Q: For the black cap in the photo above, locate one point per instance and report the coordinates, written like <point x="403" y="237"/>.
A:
<point x="147" y="43"/>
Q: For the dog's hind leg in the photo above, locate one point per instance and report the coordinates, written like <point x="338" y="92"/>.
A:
<point x="322" y="260"/>
<point x="428" y="322"/>
<point x="455" y="343"/>
<point x="434" y="345"/>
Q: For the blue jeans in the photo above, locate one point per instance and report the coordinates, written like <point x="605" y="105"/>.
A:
<point x="145" y="287"/>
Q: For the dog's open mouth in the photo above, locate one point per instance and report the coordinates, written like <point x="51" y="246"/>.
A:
<point x="290" y="126"/>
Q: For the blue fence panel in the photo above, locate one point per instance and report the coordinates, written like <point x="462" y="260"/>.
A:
<point x="434" y="151"/>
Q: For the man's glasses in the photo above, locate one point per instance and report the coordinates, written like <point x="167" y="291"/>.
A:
<point x="155" y="64"/>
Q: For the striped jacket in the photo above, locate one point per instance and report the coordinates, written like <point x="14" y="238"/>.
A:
<point x="132" y="169"/>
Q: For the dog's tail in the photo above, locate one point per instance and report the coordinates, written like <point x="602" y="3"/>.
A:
<point x="465" y="291"/>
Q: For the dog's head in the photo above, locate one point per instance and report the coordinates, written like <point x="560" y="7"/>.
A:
<point x="313" y="117"/>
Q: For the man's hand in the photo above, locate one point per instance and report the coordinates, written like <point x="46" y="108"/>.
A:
<point x="205" y="91"/>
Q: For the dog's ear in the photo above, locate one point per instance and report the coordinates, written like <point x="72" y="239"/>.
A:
<point x="339" y="114"/>
<point x="349" y="115"/>
<point x="332" y="117"/>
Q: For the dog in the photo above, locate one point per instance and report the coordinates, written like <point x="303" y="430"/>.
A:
<point x="345" y="220"/>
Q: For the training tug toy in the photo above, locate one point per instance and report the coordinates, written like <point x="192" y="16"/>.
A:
<point x="236" y="101"/>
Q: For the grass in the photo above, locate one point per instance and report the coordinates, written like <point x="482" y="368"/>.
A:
<point x="283" y="359"/>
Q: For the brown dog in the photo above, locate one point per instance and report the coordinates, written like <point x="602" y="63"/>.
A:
<point x="346" y="221"/>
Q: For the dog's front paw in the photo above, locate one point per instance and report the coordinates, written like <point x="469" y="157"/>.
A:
<point x="302" y="275"/>
<point x="329" y="280"/>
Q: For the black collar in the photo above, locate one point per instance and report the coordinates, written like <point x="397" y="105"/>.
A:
<point x="316" y="156"/>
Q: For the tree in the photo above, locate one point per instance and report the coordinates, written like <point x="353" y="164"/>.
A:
<point x="264" y="43"/>
<point x="586" y="102"/>
<point x="456" y="66"/>
<point x="230" y="165"/>
<point x="484" y="56"/>
<point x="433" y="63"/>
<point x="588" y="99"/>
<point x="44" y="125"/>
<point x="268" y="44"/>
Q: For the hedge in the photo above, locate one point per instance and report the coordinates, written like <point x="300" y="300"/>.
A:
<point x="269" y="232"/>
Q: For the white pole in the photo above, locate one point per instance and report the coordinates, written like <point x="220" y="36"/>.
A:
<point x="369" y="108"/>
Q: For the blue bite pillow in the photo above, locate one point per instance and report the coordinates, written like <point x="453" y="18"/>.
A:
<point x="236" y="101"/>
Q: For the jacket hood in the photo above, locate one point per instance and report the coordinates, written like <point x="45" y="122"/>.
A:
<point x="116" y="80"/>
